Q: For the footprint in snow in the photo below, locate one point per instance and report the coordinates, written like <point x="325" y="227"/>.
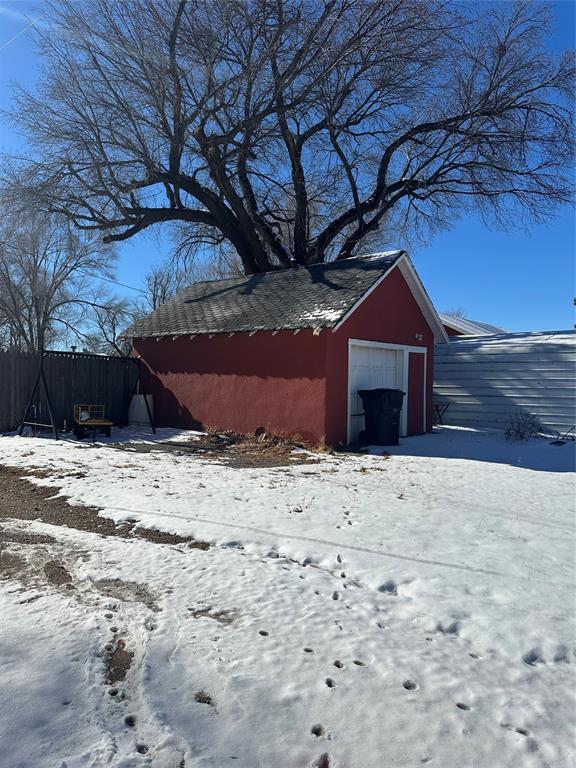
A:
<point x="324" y="761"/>
<point x="317" y="730"/>
<point x="533" y="657"/>
<point x="562" y="655"/>
<point x="450" y="629"/>
<point x="263" y="633"/>
<point x="308" y="650"/>
<point x="339" y="664"/>
<point x="531" y="743"/>
<point x="335" y="595"/>
<point x="410" y="685"/>
<point x="359" y="663"/>
<point x="381" y="625"/>
<point x="389" y="587"/>
<point x="510" y="727"/>
<point x="330" y="683"/>
<point x="463" y="706"/>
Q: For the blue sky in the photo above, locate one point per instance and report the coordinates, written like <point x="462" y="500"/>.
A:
<point x="520" y="281"/>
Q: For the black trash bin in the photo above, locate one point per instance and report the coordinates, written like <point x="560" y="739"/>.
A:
<point x="382" y="415"/>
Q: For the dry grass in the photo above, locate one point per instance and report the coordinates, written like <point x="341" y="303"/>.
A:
<point x="261" y="450"/>
<point x="237" y="450"/>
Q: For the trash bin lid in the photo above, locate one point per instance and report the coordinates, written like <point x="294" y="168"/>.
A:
<point x="381" y="398"/>
<point x="379" y="391"/>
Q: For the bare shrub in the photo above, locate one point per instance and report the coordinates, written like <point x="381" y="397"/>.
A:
<point x="522" y="426"/>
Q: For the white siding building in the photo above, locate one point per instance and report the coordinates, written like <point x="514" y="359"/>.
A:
<point x="488" y="379"/>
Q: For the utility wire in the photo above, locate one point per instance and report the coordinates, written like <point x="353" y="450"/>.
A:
<point x="110" y="280"/>
<point x="27" y="27"/>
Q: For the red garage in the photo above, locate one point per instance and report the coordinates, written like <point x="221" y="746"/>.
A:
<point x="288" y="350"/>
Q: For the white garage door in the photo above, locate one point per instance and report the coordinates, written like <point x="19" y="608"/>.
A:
<point x="369" y="368"/>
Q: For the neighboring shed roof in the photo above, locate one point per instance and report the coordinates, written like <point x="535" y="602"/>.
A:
<point x="317" y="297"/>
<point x="470" y="327"/>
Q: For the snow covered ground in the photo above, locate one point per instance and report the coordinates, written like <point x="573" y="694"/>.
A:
<point x="360" y="612"/>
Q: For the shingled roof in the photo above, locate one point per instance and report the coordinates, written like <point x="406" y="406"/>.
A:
<point x="316" y="297"/>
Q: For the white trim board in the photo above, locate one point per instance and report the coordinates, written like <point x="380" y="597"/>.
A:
<point x="385" y="345"/>
<point x="422" y="299"/>
<point x="404" y="264"/>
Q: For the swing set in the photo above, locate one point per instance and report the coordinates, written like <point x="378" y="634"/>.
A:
<point x="88" y="417"/>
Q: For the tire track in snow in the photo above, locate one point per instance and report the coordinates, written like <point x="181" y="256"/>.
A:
<point x="310" y="540"/>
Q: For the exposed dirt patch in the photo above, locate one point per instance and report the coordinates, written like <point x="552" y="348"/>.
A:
<point x="204" y="698"/>
<point x="118" y="663"/>
<point x="127" y="591"/>
<point x="24" y="537"/>
<point x="223" y="617"/>
<point x="161" y="537"/>
<point x="57" y="573"/>
<point x="22" y="500"/>
<point x="373" y="468"/>
<point x="10" y="564"/>
<point x="235" y="450"/>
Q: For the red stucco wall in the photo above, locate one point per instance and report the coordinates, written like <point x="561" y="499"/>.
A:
<point x="292" y="384"/>
<point x="238" y="382"/>
<point x="389" y="314"/>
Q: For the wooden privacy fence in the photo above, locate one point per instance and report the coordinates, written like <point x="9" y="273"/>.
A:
<point x="71" y="378"/>
<point x="488" y="379"/>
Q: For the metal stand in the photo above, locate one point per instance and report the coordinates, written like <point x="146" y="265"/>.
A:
<point x="138" y="386"/>
<point x="40" y="378"/>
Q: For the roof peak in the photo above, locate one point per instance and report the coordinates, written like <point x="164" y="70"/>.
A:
<point x="368" y="257"/>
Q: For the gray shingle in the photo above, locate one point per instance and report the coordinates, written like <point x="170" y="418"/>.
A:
<point x="317" y="297"/>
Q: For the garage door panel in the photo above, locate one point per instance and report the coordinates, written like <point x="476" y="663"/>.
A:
<point x="371" y="368"/>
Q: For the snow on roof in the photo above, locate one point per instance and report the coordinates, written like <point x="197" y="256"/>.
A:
<point x="564" y="337"/>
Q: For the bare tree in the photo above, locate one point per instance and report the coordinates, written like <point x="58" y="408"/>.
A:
<point x="161" y="283"/>
<point x="293" y="130"/>
<point x="48" y="273"/>
<point x="457" y="312"/>
<point x="165" y="279"/>
<point x="106" y="323"/>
